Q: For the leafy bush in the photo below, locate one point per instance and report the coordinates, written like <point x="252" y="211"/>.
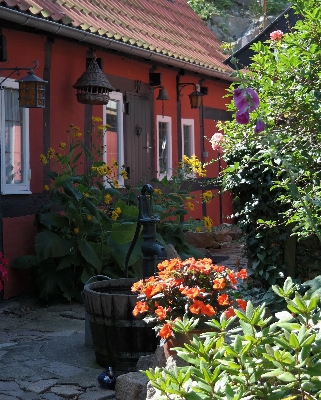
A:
<point x="262" y="358"/>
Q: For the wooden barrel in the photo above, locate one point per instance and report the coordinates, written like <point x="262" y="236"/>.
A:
<point x="119" y="338"/>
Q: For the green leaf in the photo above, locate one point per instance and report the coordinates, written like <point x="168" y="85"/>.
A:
<point x="51" y="245"/>
<point x="89" y="254"/>
<point x="24" y="262"/>
<point x="50" y="220"/>
<point x="123" y="233"/>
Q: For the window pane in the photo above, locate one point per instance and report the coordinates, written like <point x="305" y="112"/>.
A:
<point x="163" y="147"/>
<point x="187" y="130"/>
<point x="13" y="138"/>
<point x="112" y="111"/>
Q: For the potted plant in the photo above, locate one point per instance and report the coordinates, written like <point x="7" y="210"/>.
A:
<point x="196" y="288"/>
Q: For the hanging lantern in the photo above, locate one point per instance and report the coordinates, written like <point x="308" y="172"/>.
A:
<point x="31" y="91"/>
<point x="93" y="86"/>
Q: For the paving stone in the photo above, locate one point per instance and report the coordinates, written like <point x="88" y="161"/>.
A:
<point x="66" y="391"/>
<point x="5" y="397"/>
<point x="62" y="369"/>
<point x="41" y="386"/>
<point x="29" y="396"/>
<point x="97" y="394"/>
<point x="51" y="396"/>
<point x="3" y="345"/>
<point x="9" y="387"/>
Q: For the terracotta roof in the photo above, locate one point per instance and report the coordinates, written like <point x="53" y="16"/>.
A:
<point x="166" y="27"/>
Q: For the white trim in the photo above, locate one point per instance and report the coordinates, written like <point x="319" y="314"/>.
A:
<point x="188" y="122"/>
<point x="168" y="121"/>
<point x="16" y="188"/>
<point x="117" y="96"/>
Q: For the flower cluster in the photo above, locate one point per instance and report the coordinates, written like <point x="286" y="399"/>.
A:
<point x="115" y="213"/>
<point x="246" y="100"/>
<point x="208" y="223"/>
<point x="216" y="141"/>
<point x="3" y="270"/>
<point x="191" y="287"/>
<point x="195" y="165"/>
<point x="207" y="196"/>
<point x="276" y="35"/>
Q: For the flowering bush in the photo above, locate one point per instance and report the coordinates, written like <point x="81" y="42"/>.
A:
<point x="197" y="288"/>
<point x="3" y="270"/>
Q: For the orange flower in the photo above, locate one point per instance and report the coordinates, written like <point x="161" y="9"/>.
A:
<point x="166" y="331"/>
<point x="232" y="278"/>
<point x="140" y="307"/>
<point x="192" y="293"/>
<point x="219" y="283"/>
<point x="151" y="290"/>
<point x="223" y="300"/>
<point x="242" y="274"/>
<point x="208" y="310"/>
<point x="218" y="268"/>
<point x="196" y="307"/>
<point x="137" y="286"/>
<point x="242" y="304"/>
<point x="229" y="313"/>
<point x="161" y="312"/>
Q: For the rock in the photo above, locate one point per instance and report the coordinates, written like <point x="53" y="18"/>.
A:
<point x="171" y="252"/>
<point x="67" y="391"/>
<point x="199" y="239"/>
<point x="131" y="386"/>
<point x="221" y="237"/>
<point x="159" y="358"/>
<point x="41" y="386"/>
<point x="145" y="362"/>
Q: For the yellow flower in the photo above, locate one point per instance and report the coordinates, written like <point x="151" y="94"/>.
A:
<point x="207" y="196"/>
<point x="198" y="229"/>
<point x="190" y="205"/>
<point x="96" y="119"/>
<point x="46" y="187"/>
<point x="107" y="198"/>
<point x="58" y="155"/>
<point x="76" y="230"/>
<point x="208" y="223"/>
<point x="158" y="192"/>
<point x="115" y="163"/>
<point x="115" y="183"/>
<point x="86" y="194"/>
<point x="51" y="153"/>
<point x="114" y="215"/>
<point x="43" y="159"/>
<point x="195" y="165"/>
<point x="101" y="127"/>
<point x="77" y="134"/>
<point x="124" y="174"/>
<point x="118" y="210"/>
<point x="62" y="145"/>
<point x="89" y="217"/>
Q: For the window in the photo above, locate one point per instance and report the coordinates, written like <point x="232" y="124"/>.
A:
<point x="164" y="146"/>
<point x="188" y="148"/>
<point x="113" y="116"/>
<point x="14" y="133"/>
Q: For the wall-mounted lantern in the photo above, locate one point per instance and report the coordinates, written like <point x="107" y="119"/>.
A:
<point x="31" y="87"/>
<point x="93" y="86"/>
<point x="195" y="97"/>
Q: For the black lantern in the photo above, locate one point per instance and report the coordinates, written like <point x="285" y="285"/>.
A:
<point x="195" y="97"/>
<point x="31" y="87"/>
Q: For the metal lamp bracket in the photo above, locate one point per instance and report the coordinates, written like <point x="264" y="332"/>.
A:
<point x="17" y="71"/>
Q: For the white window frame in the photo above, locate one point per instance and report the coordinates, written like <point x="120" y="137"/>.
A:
<point x="117" y="96"/>
<point x="14" y="188"/>
<point x="168" y="120"/>
<point x="188" y="122"/>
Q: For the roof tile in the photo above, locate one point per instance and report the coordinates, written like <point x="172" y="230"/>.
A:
<point x="170" y="28"/>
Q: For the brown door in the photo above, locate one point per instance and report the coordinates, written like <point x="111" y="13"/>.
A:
<point x="138" y="139"/>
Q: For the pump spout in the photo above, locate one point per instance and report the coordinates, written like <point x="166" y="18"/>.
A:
<point x="153" y="253"/>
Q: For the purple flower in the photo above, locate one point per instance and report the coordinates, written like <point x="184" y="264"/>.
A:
<point x="246" y="99"/>
<point x="242" y="117"/>
<point x="259" y="126"/>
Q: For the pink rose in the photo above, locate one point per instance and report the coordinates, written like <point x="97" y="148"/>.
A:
<point x="276" y="35"/>
<point x="216" y="139"/>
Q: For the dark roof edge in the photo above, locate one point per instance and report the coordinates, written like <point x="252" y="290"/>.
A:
<point x="247" y="45"/>
<point x="83" y="36"/>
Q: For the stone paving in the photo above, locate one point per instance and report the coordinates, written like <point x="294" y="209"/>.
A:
<point x="43" y="353"/>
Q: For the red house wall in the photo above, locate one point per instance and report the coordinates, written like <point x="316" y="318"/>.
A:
<point x="68" y="62"/>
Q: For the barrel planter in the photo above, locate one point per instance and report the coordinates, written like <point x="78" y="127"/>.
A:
<point x="119" y="338"/>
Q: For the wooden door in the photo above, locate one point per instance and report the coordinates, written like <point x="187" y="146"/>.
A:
<point x="138" y="139"/>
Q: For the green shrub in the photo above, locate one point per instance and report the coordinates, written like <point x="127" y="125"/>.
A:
<point x="262" y="358"/>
